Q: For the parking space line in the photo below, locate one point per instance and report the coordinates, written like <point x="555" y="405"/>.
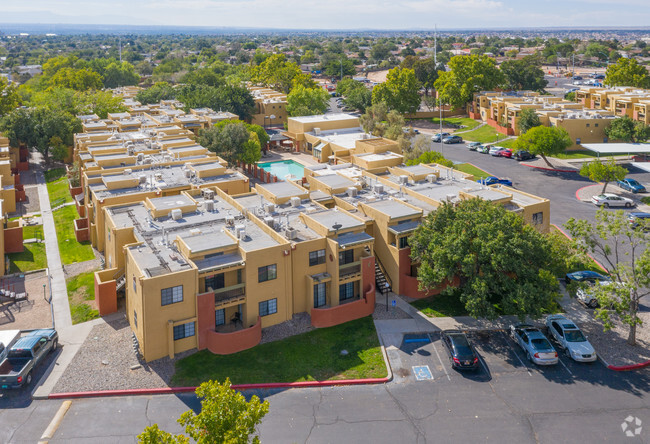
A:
<point x="438" y="354"/>
<point x="564" y="365"/>
<point x="508" y="339"/>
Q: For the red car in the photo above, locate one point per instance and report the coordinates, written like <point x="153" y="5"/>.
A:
<point x="506" y="152"/>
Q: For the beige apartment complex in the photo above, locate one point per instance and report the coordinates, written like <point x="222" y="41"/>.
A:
<point x="270" y="107"/>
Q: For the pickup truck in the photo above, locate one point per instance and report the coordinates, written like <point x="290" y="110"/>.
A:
<point x="24" y="356"/>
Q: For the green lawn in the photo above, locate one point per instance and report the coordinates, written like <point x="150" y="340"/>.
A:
<point x="646" y="200"/>
<point x="81" y="289"/>
<point x="468" y="123"/>
<point x="54" y="174"/>
<point x="575" y="155"/>
<point x="58" y="191"/>
<point x="442" y="305"/>
<point x="312" y="356"/>
<point x="484" y="134"/>
<point x="471" y="169"/>
<point x="33" y="232"/>
<point x="32" y="258"/>
<point x="508" y="143"/>
<point x="71" y="250"/>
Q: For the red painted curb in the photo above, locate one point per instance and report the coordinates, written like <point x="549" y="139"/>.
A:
<point x="174" y="390"/>
<point x="590" y="256"/>
<point x="549" y="169"/>
<point x="627" y="368"/>
<point x="580" y="189"/>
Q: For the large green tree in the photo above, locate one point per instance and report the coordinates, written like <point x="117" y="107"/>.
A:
<point x="627" y="72"/>
<point x="426" y="72"/>
<point x="528" y="119"/>
<point x="9" y="98"/>
<point x="503" y="265"/>
<point x="627" y="130"/>
<point x="232" y="98"/>
<point x="605" y="172"/>
<point x="234" y="140"/>
<point x="303" y="101"/>
<point x="400" y="91"/>
<point x="275" y="72"/>
<point x="545" y="141"/>
<point x="225" y="418"/>
<point x="466" y="76"/>
<point x="157" y="92"/>
<point x="627" y="260"/>
<point x="524" y="74"/>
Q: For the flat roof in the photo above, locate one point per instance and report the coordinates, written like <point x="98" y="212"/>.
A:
<point x="379" y="156"/>
<point x="618" y="148"/>
<point x="336" y="181"/>
<point x="281" y="189"/>
<point x="394" y="208"/>
<point x="324" y="118"/>
<point x="329" y="218"/>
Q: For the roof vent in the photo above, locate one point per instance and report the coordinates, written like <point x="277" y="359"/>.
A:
<point x="177" y="214"/>
<point x="431" y="178"/>
<point x="295" y="201"/>
<point x="352" y="192"/>
<point x="209" y="205"/>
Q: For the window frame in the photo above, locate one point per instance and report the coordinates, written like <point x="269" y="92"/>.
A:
<point x="318" y="259"/>
<point x="185" y="328"/>
<point x="269" y="304"/>
<point x="263" y="274"/>
<point x="173" y="298"/>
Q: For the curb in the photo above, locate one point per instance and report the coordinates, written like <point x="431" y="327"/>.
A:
<point x="627" y="368"/>
<point x="175" y="390"/>
<point x="549" y="169"/>
<point x="580" y="189"/>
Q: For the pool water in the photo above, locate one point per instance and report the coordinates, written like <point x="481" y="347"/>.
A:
<point x="282" y="168"/>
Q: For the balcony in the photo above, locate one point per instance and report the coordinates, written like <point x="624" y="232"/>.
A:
<point x="227" y="295"/>
<point x="349" y="271"/>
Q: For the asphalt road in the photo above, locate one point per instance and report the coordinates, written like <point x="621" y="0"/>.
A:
<point x="507" y="400"/>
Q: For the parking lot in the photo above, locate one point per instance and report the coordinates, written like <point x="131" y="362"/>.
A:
<point x="424" y="358"/>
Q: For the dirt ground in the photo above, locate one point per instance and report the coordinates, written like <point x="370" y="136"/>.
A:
<point x="34" y="312"/>
<point x="378" y="76"/>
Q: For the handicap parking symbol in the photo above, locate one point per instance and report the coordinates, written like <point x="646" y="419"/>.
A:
<point x="422" y="372"/>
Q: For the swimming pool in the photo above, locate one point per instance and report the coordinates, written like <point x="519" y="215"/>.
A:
<point x="283" y="168"/>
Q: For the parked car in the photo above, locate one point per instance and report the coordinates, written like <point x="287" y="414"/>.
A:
<point x="585" y="295"/>
<point x="534" y="344"/>
<point x="637" y="218"/>
<point x="452" y="139"/>
<point x="439" y="136"/>
<point x="612" y="200"/>
<point x="491" y="180"/>
<point x="30" y="350"/>
<point x="522" y="155"/>
<point x="7" y="339"/>
<point x="570" y="338"/>
<point x="506" y="152"/>
<point x="473" y="145"/>
<point x="483" y="149"/>
<point x="632" y="185"/>
<point x="461" y="352"/>
<point x="495" y="150"/>
<point x="577" y="77"/>
<point x="599" y="77"/>
<point x="585" y="275"/>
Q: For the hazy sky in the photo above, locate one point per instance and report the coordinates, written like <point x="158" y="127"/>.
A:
<point x="333" y="14"/>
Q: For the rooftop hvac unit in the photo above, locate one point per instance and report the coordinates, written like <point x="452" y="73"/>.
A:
<point x="291" y="233"/>
<point x="450" y="197"/>
<point x="167" y="158"/>
<point x="208" y="193"/>
<point x="269" y="207"/>
<point x="352" y="192"/>
<point x="378" y="188"/>
<point x="403" y="180"/>
<point x="240" y="231"/>
<point x="147" y="160"/>
<point x="270" y="221"/>
<point x="230" y="221"/>
<point x="140" y="157"/>
<point x="177" y="214"/>
<point x="295" y="201"/>
<point x="158" y="176"/>
<point x="317" y="131"/>
<point x="431" y="178"/>
<point x="130" y="151"/>
<point x="209" y="205"/>
<point x="142" y="178"/>
<point x="128" y="171"/>
<point x="188" y="173"/>
<point x="195" y="231"/>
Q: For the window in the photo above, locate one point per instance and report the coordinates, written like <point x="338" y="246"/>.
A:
<point x="219" y="317"/>
<point x="267" y="273"/>
<point x="404" y="242"/>
<point x="538" y="218"/>
<point x="316" y="257"/>
<point x="214" y="282"/>
<point x="346" y="291"/>
<point x="596" y="125"/>
<point x="239" y="276"/>
<point x="183" y="331"/>
<point x="578" y="141"/>
<point x="320" y="298"/>
<point x="109" y="235"/>
<point x="268" y="307"/>
<point x="134" y="284"/>
<point x="135" y="319"/>
<point x="346" y="256"/>
<point x="171" y="295"/>
<point x="588" y="125"/>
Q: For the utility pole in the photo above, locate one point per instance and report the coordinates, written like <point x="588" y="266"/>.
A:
<point x="435" y="63"/>
<point x="341" y="67"/>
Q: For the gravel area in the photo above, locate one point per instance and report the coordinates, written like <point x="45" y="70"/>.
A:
<point x="392" y="313"/>
<point x="81" y="267"/>
<point x="105" y="362"/>
<point x="300" y="323"/>
<point x="31" y="313"/>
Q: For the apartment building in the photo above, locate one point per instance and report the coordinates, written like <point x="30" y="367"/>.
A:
<point x="270" y="107"/>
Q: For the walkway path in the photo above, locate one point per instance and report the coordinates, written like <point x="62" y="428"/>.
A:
<point x="62" y="316"/>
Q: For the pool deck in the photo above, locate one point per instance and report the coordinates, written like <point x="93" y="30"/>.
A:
<point x="302" y="158"/>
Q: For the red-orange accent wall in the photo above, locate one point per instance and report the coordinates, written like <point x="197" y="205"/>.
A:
<point x="106" y="296"/>
<point x="14" y="240"/>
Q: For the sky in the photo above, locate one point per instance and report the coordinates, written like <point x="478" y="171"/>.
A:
<point x="334" y="14"/>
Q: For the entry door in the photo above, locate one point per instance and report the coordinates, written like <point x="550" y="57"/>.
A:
<point x="320" y="297"/>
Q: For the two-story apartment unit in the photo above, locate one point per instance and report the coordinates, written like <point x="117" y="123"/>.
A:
<point x="270" y="107"/>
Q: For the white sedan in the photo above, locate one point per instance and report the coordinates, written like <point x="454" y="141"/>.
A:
<point x="612" y="200"/>
<point x="570" y="338"/>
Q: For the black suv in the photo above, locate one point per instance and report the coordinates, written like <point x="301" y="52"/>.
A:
<point x="461" y="352"/>
<point x="522" y="155"/>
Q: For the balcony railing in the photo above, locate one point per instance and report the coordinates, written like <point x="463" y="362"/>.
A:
<point x="228" y="294"/>
<point x="348" y="270"/>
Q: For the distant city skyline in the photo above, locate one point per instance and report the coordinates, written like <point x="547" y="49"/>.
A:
<point x="334" y="14"/>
